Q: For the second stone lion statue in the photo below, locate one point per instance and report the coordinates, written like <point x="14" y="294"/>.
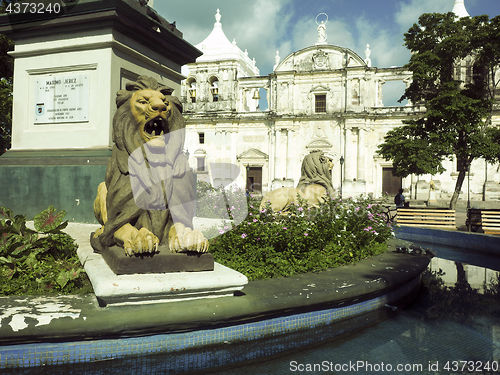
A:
<point x="314" y="184"/>
<point x="147" y="200"/>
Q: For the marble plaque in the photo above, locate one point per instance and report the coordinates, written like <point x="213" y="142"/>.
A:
<point x="62" y="98"/>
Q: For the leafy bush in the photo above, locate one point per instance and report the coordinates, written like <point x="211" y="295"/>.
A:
<point x="271" y="244"/>
<point x="41" y="261"/>
<point x="221" y="202"/>
<point x="202" y="188"/>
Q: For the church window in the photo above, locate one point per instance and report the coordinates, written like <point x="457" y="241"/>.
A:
<point x="320" y="103"/>
<point x="479" y="75"/>
<point x="214" y="88"/>
<point x="458" y="72"/>
<point x="201" y="138"/>
<point x="191" y="84"/>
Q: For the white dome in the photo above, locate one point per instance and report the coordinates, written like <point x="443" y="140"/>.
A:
<point x="217" y="47"/>
<point x="459" y="9"/>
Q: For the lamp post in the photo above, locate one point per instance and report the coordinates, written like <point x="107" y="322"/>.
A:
<point x="468" y="199"/>
<point x="248" y="169"/>
<point x="341" y="177"/>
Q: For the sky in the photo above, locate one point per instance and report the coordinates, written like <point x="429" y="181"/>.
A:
<point x="266" y="26"/>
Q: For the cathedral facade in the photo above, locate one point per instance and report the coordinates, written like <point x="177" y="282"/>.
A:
<point x="323" y="97"/>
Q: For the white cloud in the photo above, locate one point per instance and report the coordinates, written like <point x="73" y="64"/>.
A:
<point x="264" y="26"/>
<point x="260" y="26"/>
<point x="262" y="30"/>
<point x="339" y="33"/>
<point x="303" y="34"/>
<point x="408" y="13"/>
<point x="387" y="48"/>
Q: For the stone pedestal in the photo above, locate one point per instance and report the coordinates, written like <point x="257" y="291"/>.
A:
<point x="422" y="190"/>
<point x="68" y="69"/>
<point x="432" y="196"/>
<point x="116" y="290"/>
<point x="353" y="188"/>
<point x="162" y="262"/>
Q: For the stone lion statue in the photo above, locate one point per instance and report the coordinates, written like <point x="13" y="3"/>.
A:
<point x="147" y="198"/>
<point x="315" y="182"/>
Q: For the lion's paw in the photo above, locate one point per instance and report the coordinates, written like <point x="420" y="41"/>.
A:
<point x="182" y="239"/>
<point x="136" y="241"/>
<point x="141" y="241"/>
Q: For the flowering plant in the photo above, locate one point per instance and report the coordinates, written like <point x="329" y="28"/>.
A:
<point x="303" y="239"/>
<point x="221" y="202"/>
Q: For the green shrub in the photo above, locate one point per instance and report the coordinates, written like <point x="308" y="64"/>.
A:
<point x="221" y="203"/>
<point x="271" y="244"/>
<point x="202" y="188"/>
<point x="40" y="261"/>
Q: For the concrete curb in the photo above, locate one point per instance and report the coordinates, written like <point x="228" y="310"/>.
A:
<point x="80" y="317"/>
<point x="484" y="243"/>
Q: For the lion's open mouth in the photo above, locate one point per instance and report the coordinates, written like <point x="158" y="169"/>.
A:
<point x="156" y="127"/>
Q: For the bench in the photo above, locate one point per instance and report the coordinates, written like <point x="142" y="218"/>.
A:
<point x="474" y="218"/>
<point x="427" y="218"/>
<point x="484" y="220"/>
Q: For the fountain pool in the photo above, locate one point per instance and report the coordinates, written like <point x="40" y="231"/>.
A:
<point x="455" y="317"/>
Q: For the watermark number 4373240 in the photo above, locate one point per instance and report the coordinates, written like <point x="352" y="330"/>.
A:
<point x="31" y="7"/>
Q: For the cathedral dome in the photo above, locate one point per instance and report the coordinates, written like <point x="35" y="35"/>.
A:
<point x="459" y="9"/>
<point x="217" y="47"/>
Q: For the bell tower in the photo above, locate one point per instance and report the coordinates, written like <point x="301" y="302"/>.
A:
<point x="213" y="81"/>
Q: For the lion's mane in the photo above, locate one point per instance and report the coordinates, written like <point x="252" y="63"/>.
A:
<point x="315" y="170"/>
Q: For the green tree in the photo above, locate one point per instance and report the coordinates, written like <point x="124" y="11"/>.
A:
<point x="6" y="72"/>
<point x="458" y="107"/>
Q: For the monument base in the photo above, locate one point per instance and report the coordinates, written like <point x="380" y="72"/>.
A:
<point x="162" y="262"/>
<point x="432" y="196"/>
<point x="44" y="170"/>
<point x="116" y="290"/>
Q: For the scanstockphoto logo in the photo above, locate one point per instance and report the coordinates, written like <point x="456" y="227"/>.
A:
<point x="161" y="179"/>
<point x="23" y="12"/>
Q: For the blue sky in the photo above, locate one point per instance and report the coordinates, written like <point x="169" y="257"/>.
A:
<point x="265" y="26"/>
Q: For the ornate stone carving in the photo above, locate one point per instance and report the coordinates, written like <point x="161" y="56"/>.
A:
<point x="305" y="64"/>
<point x="315" y="182"/>
<point x="322" y="33"/>
<point x="147" y="199"/>
<point x="355" y="95"/>
<point x="321" y="60"/>
<point x="306" y="102"/>
<point x="336" y="99"/>
<point x="321" y="29"/>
